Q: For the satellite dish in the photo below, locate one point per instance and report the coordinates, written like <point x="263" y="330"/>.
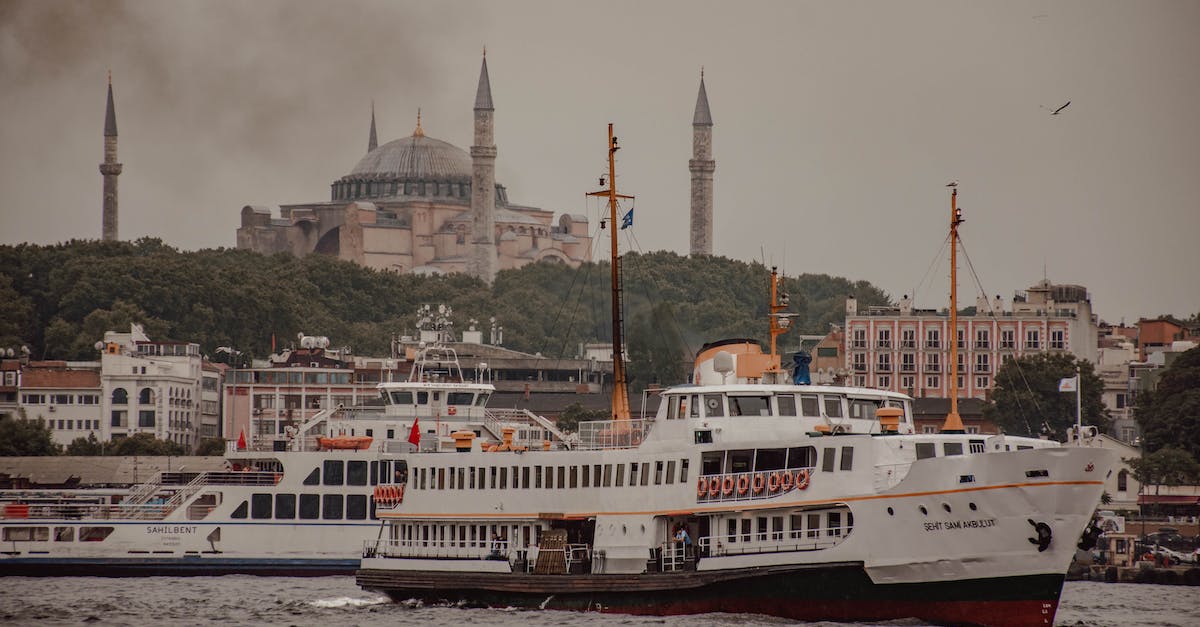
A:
<point x="98" y="345"/>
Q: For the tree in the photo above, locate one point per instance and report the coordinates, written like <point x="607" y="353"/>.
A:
<point x="1169" y="415"/>
<point x="1167" y="466"/>
<point x="86" y="447"/>
<point x="568" y="421"/>
<point x="144" y="444"/>
<point x="655" y="351"/>
<point x="1026" y="399"/>
<point x="211" y="446"/>
<point x="21" y="436"/>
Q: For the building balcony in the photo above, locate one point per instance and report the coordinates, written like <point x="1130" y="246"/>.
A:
<point x="858" y="344"/>
<point x="1007" y="346"/>
<point x="908" y="367"/>
<point x="933" y="367"/>
<point x="883" y="344"/>
<point x="908" y="344"/>
<point x="982" y="345"/>
<point x="883" y="368"/>
<point x="933" y="344"/>
<point x="983" y="368"/>
<point x="860" y="367"/>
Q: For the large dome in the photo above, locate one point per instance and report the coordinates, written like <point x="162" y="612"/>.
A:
<point x="415" y="158"/>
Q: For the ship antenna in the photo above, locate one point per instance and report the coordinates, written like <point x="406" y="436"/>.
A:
<point x="620" y="397"/>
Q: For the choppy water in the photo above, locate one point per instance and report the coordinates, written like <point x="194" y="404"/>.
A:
<point x="245" y="600"/>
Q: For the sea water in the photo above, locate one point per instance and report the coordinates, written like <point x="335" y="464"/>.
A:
<point x="246" y="600"/>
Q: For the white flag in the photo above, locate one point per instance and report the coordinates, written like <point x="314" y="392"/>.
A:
<point x="1068" y="385"/>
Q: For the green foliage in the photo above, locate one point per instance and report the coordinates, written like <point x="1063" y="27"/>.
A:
<point x="211" y="446"/>
<point x="568" y="421"/>
<point x="86" y="447"/>
<point x="144" y="444"/>
<point x="71" y="293"/>
<point x="1166" y="466"/>
<point x="21" y="436"/>
<point x="1170" y="414"/>
<point x="1026" y="395"/>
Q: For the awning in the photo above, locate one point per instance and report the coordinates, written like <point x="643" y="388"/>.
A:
<point x="1168" y="499"/>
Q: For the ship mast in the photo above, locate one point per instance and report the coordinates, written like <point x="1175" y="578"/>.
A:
<point x="780" y="322"/>
<point x="953" y="422"/>
<point x="620" y="395"/>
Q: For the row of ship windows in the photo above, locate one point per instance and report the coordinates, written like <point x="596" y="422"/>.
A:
<point x="305" y="507"/>
<point x="798" y="525"/>
<point x="61" y="534"/>
<point x="810" y="405"/>
<point x="338" y="472"/>
<point x="584" y="476"/>
<point x="768" y="459"/>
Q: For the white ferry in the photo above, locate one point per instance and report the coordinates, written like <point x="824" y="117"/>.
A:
<point x="747" y="493"/>
<point x="302" y="510"/>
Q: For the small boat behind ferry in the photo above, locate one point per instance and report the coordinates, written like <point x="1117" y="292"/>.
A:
<point x="749" y="492"/>
<point x="295" y="503"/>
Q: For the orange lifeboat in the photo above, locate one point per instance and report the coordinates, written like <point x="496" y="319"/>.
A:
<point x="345" y="442"/>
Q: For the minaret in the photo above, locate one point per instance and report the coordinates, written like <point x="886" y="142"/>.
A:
<point x="373" y="140"/>
<point x="110" y="169"/>
<point x="702" y="166"/>
<point x="483" y="262"/>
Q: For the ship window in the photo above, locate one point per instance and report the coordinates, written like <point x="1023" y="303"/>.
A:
<point x="240" y="512"/>
<point x="770" y="459"/>
<point x="620" y="474"/>
<point x="608" y="471"/>
<point x="835" y="524"/>
<point x="356" y="473"/>
<point x="740" y="461"/>
<point x="809" y="406"/>
<point x="562" y="477"/>
<point x="480" y="477"/>
<point x="787" y="404"/>
<point x="525" y="477"/>
<point x="714" y="405"/>
<point x="391" y="434"/>
<point x="492" y="475"/>
<point x="746" y="522"/>
<point x="828" y="456"/>
<point x="796" y="526"/>
<point x="847" y="458"/>
<point x="285" y="506"/>
<point x="482" y="399"/>
<point x="332" y="507"/>
<point x="694" y="407"/>
<point x="658" y="473"/>
<point x="460" y="398"/>
<point x="64" y="534"/>
<point x="334" y="469"/>
<point x="260" y="506"/>
<point x="310" y="506"/>
<point x="314" y="477"/>
<point x="683" y="471"/>
<point x="814" y="526"/>
<point x="94" y="534"/>
<point x="422" y="398"/>
<point x="574" y="476"/>
<point x="952" y="448"/>
<point x="833" y="406"/>
<point x="504" y="478"/>
<point x="710" y="462"/>
<point x="356" y="506"/>
<point x="673" y="403"/>
<point x="802" y="457"/>
<point x="749" y="406"/>
<point x="537" y="476"/>
<point x="402" y="398"/>
<point x="633" y="473"/>
<point x="26" y="534"/>
<point x="731" y="533"/>
<point x="587" y="476"/>
<point x="977" y="446"/>
<point x="925" y="450"/>
<point x="374" y="473"/>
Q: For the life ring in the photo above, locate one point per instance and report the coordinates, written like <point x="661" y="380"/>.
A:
<point x="452" y="410"/>
<point x="760" y="482"/>
<point x="743" y="484"/>
<point x="727" y="485"/>
<point x="400" y="494"/>
<point x="785" y="480"/>
<point x="773" y="483"/>
<point x="802" y="479"/>
<point x="378" y="493"/>
<point x="701" y="486"/>
<point x="714" y="487"/>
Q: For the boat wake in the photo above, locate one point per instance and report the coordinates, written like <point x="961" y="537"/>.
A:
<point x="348" y="602"/>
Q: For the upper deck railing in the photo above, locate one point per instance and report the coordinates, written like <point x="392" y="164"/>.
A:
<point x="613" y="434"/>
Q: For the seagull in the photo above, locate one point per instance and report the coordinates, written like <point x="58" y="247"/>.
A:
<point x="1059" y="110"/>
<point x="952" y="184"/>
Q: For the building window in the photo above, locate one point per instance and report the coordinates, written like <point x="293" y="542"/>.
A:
<point x="859" y="361"/>
<point x="908" y="383"/>
<point x="146" y="418"/>
<point x="885" y="338"/>
<point x="933" y="338"/>
<point x="1031" y="338"/>
<point x="982" y="363"/>
<point x="1007" y="338"/>
<point x="962" y="338"/>
<point x="908" y="362"/>
<point x="981" y="383"/>
<point x="860" y="381"/>
<point x="933" y="362"/>
<point x="1058" y="339"/>
<point x="120" y="397"/>
<point x="859" y="338"/>
<point x="908" y="338"/>
<point x="146" y="396"/>
<point x="981" y="338"/>
<point x="1123" y="481"/>
<point x="933" y="382"/>
<point x="885" y="381"/>
<point x="884" y="363"/>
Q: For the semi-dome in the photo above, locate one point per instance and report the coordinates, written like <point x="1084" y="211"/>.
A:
<point x="418" y="157"/>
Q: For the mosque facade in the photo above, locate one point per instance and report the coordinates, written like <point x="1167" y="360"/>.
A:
<point x="416" y="204"/>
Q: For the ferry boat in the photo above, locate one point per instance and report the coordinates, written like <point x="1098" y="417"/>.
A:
<point x="297" y="505"/>
<point x="749" y="493"/>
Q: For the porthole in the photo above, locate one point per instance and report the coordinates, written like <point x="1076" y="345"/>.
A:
<point x="973" y="506"/>
<point x="924" y="511"/>
<point x="946" y="506"/>
<point x="891" y="512"/>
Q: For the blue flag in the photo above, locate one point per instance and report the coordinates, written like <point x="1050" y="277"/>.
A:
<point x="627" y="221"/>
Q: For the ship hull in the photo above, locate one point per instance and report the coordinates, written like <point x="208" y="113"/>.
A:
<point x="842" y="592"/>
<point x="176" y="567"/>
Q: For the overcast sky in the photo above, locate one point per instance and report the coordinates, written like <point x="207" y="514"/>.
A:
<point x="837" y="124"/>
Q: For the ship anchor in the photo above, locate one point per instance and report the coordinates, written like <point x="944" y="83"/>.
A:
<point x="1044" y="535"/>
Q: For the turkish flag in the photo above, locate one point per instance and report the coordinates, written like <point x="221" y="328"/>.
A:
<point x="414" y="436"/>
<point x="242" y="441"/>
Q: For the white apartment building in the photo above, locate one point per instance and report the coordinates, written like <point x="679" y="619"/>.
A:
<point x="67" y="398"/>
<point x="907" y="350"/>
<point x="150" y="387"/>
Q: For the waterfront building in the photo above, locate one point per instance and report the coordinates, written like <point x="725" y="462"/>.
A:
<point x="905" y="349"/>
<point x="420" y="204"/>
<point x="67" y="398"/>
<point x="149" y="387"/>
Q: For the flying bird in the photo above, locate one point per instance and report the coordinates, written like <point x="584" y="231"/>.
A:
<point x="1059" y="110"/>
<point x="952" y="184"/>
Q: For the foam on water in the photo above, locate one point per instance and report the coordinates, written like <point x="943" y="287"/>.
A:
<point x="347" y="602"/>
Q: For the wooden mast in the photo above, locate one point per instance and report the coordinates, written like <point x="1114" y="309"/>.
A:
<point x="953" y="422"/>
<point x="780" y="321"/>
<point x="620" y="395"/>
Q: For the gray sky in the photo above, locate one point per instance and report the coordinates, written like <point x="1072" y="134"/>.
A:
<point x="836" y="124"/>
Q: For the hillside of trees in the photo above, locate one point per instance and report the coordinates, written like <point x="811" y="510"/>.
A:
<point x="58" y="300"/>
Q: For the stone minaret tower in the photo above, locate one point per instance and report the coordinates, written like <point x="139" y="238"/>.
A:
<point x="373" y="140"/>
<point x="702" y="166"/>
<point x="110" y="169"/>
<point x="483" y="262"/>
